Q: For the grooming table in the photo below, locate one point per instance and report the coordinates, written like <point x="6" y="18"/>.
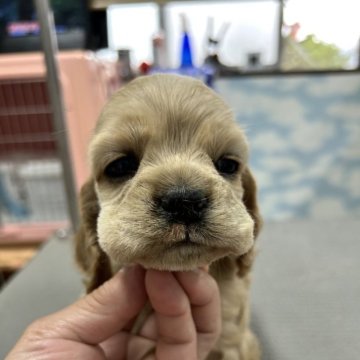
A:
<point x="305" y="293"/>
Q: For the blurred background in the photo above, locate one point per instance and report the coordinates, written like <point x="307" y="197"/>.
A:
<point x="289" y="69"/>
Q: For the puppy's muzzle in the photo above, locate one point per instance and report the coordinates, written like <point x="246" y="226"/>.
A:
<point x="183" y="205"/>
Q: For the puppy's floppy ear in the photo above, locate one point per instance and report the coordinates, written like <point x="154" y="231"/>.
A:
<point x="245" y="261"/>
<point x="250" y="199"/>
<point x="89" y="256"/>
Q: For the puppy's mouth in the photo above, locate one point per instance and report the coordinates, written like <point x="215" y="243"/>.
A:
<point x="182" y="248"/>
<point x="187" y="241"/>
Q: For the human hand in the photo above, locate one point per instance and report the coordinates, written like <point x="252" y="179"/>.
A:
<point x="185" y="323"/>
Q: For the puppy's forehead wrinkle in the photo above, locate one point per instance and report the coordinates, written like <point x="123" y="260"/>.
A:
<point x="174" y="99"/>
<point x="159" y="115"/>
<point x="173" y="154"/>
<point x="168" y="92"/>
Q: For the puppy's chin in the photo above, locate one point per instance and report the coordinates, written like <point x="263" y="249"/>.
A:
<point x="178" y="256"/>
<point x="182" y="257"/>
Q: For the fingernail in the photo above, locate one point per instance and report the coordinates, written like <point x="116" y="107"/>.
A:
<point x="127" y="268"/>
<point x="200" y="270"/>
<point x="205" y="268"/>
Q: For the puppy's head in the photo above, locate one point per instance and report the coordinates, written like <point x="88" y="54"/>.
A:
<point x="170" y="185"/>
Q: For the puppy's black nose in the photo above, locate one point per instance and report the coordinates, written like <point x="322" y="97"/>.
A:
<point x="183" y="205"/>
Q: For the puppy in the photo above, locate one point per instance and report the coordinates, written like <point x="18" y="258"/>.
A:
<point x="171" y="190"/>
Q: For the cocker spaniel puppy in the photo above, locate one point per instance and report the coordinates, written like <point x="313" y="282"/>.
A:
<point x="171" y="190"/>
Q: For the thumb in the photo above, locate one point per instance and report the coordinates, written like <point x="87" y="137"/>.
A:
<point x="102" y="313"/>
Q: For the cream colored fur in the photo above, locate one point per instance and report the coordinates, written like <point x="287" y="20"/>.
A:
<point x="177" y="128"/>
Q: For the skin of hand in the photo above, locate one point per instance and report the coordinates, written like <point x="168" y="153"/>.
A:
<point x="185" y="323"/>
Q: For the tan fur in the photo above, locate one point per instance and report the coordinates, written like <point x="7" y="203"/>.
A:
<point x="178" y="128"/>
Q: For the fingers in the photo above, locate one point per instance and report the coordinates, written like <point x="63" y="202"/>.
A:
<point x="102" y="313"/>
<point x="203" y="294"/>
<point x="149" y="329"/>
<point x="187" y="313"/>
<point x="109" y="308"/>
<point x="204" y="297"/>
<point x="175" y="327"/>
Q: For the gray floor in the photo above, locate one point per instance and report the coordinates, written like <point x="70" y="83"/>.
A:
<point x="306" y="291"/>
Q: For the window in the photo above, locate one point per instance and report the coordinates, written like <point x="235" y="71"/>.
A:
<point x="131" y="26"/>
<point x="252" y="29"/>
<point x="321" y="34"/>
<point x="317" y="34"/>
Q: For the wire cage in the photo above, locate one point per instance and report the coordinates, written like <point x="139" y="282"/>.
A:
<point x="32" y="195"/>
<point x="31" y="187"/>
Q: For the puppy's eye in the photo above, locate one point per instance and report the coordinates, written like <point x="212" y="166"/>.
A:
<point x="122" y="167"/>
<point x="226" y="166"/>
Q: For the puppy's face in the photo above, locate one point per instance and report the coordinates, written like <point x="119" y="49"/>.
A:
<point x="168" y="163"/>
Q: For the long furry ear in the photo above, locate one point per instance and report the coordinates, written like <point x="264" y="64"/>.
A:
<point x="245" y="261"/>
<point x="250" y="199"/>
<point x="91" y="259"/>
